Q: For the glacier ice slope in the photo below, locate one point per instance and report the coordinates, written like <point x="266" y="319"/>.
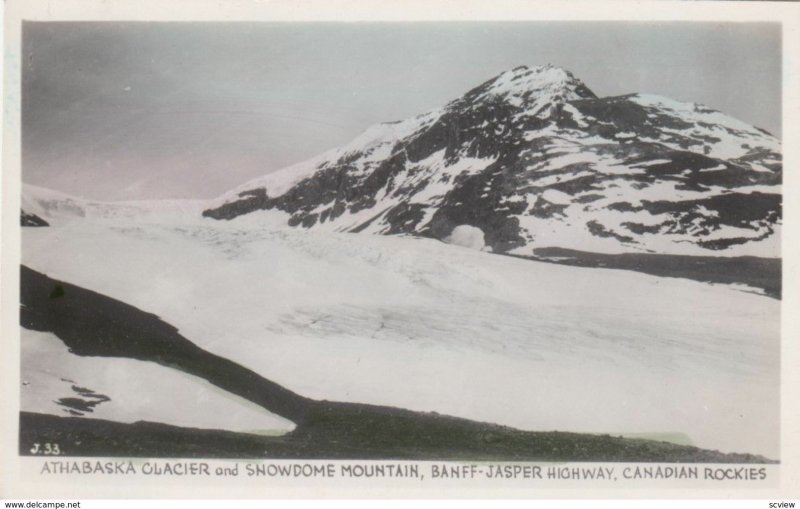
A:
<point x="427" y="326"/>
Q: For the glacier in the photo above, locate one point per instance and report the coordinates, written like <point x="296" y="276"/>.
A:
<point x="427" y="326"/>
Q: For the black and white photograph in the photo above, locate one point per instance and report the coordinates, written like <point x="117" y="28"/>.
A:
<point x="512" y="242"/>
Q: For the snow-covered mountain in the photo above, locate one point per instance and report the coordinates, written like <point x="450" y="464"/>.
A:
<point x="44" y="207"/>
<point x="533" y="158"/>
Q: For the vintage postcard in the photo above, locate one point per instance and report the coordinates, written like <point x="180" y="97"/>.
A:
<point x="398" y="249"/>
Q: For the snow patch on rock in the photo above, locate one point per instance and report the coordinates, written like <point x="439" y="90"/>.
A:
<point x="467" y="236"/>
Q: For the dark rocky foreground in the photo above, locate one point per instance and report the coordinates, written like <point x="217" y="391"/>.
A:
<point x="760" y="273"/>
<point x="91" y="324"/>
<point x="355" y="432"/>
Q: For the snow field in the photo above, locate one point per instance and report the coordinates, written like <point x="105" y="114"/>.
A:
<point x="426" y="326"/>
<point x="139" y="391"/>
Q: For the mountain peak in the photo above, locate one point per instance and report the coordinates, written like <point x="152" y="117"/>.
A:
<point x="537" y="88"/>
<point x="523" y="70"/>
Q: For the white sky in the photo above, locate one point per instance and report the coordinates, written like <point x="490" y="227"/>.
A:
<point x="159" y="110"/>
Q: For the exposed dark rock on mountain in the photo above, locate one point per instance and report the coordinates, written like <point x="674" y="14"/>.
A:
<point x="533" y="158"/>
<point x="27" y="219"/>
